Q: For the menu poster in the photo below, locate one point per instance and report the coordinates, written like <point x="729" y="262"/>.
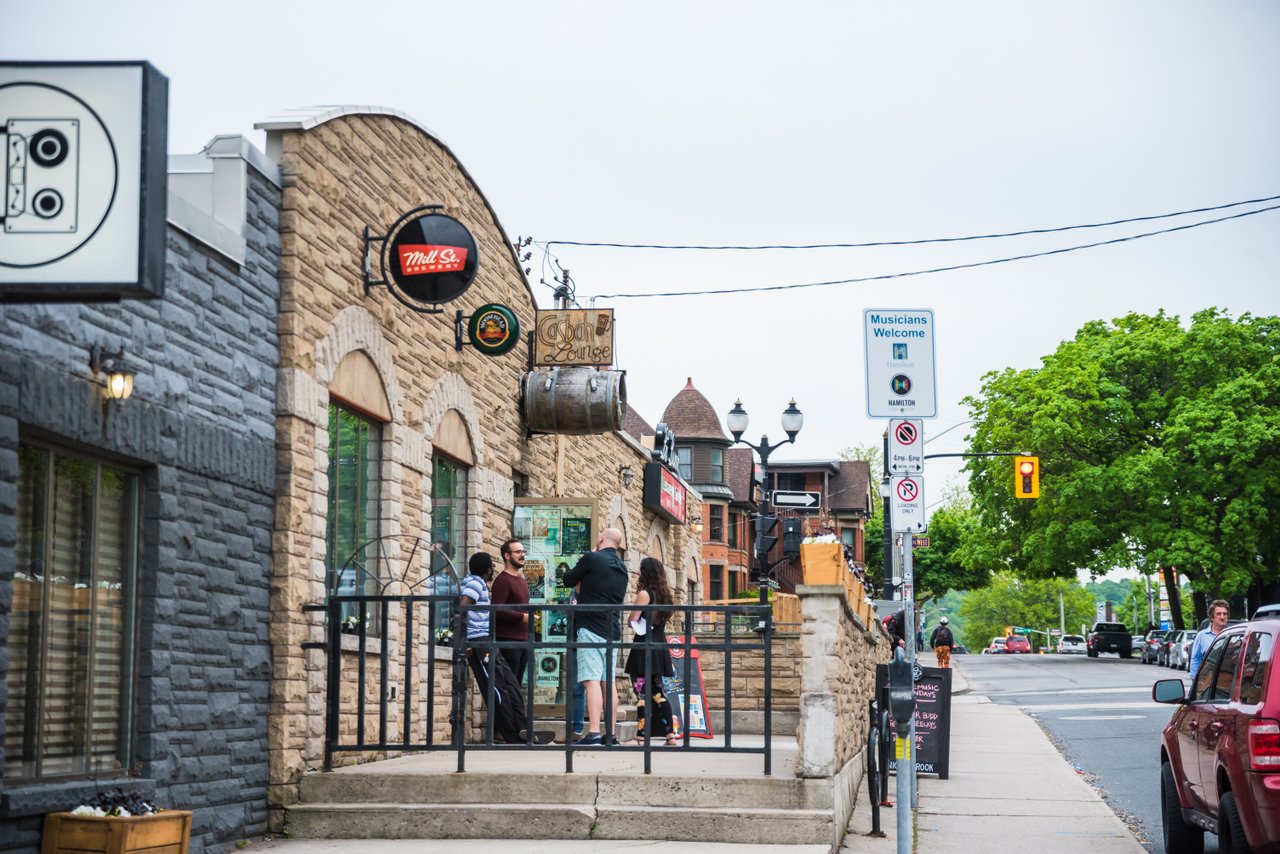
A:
<point x="546" y="530"/>
<point x="676" y="692"/>
<point x="535" y="573"/>
<point x="576" y="536"/>
<point x="932" y="719"/>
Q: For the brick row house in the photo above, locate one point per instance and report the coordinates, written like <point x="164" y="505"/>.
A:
<point x="157" y="553"/>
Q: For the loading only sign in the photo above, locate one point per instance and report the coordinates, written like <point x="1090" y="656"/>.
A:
<point x="906" y="446"/>
<point x="906" y="504"/>
<point x="900" y="363"/>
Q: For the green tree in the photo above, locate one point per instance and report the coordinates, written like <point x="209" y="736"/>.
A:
<point x="953" y="559"/>
<point x="1155" y="441"/>
<point x="1031" y="602"/>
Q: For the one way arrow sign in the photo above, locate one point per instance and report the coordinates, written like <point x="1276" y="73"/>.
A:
<point x="800" y="500"/>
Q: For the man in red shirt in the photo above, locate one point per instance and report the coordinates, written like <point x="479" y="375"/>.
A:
<point x="510" y="588"/>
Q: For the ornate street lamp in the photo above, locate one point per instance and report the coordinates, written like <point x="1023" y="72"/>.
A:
<point x="792" y="421"/>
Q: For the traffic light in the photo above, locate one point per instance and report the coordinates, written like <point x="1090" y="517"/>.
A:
<point x="766" y="534"/>
<point x="791" y="537"/>
<point x="1026" y="477"/>
<point x="1008" y="631"/>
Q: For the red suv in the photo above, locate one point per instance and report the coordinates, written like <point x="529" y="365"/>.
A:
<point x="1220" y="753"/>
<point x="1017" y="643"/>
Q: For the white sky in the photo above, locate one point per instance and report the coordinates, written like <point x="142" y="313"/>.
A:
<point x="748" y="123"/>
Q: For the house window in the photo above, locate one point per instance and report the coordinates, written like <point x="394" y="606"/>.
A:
<point x="684" y="462"/>
<point x="716" y="515"/>
<point x="790" y="481"/>
<point x="717" y="465"/>
<point x="847" y="535"/>
<point x="71" y="627"/>
<point x="717" y="583"/>
<point x="733" y="585"/>
<point x="735" y="519"/>
<point x="351" y="561"/>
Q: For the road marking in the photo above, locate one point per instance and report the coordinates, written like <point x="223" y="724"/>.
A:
<point x="1102" y="718"/>
<point x="1073" y="707"/>
<point x="1138" y="689"/>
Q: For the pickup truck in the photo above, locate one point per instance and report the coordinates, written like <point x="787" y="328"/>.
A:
<point x="1110" y="637"/>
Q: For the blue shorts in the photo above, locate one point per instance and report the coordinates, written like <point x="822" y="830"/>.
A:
<point x="591" y="660"/>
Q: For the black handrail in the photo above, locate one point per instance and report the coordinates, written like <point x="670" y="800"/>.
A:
<point x="728" y="643"/>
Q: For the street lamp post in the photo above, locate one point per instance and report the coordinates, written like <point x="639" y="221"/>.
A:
<point x="792" y="421"/>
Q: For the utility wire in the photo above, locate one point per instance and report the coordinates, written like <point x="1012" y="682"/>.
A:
<point x="868" y="245"/>
<point x="947" y="269"/>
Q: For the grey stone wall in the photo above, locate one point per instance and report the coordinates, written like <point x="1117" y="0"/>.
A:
<point x="201" y="427"/>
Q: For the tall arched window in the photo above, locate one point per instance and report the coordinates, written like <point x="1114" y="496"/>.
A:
<point x="351" y="524"/>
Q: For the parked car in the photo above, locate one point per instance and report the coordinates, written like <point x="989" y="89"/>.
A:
<point x="1110" y="637"/>
<point x="997" y="647"/>
<point x="1220" y="752"/>
<point x="1138" y="641"/>
<point x="1166" y="646"/>
<point x="1267" y="612"/>
<point x="960" y="649"/>
<point x="1174" y="657"/>
<point x="1151" y="646"/>
<point x="1072" y="645"/>
<point x="1017" y="644"/>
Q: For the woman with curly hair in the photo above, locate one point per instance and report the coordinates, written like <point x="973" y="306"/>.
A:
<point x="652" y="592"/>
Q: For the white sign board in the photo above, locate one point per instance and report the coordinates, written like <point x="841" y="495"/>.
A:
<point x="906" y="446"/>
<point x="83" y="147"/>
<point x="906" y="504"/>
<point x="900" y="363"/>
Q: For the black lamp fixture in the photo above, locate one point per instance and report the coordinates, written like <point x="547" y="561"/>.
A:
<point x="792" y="422"/>
<point x="627" y="474"/>
<point x="117" y="374"/>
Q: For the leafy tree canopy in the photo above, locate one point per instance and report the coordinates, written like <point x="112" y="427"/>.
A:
<point x="1156" y="442"/>
<point x="1012" y="601"/>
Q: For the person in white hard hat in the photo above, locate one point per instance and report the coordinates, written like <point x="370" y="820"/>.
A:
<point x="942" y="642"/>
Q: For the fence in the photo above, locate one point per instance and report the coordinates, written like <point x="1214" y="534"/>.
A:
<point x="362" y="713"/>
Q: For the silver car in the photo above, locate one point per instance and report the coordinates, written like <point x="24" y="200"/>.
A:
<point x="1179" y="650"/>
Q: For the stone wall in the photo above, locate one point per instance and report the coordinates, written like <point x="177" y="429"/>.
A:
<point x="199" y="429"/>
<point x="342" y="171"/>
<point x="747" y="674"/>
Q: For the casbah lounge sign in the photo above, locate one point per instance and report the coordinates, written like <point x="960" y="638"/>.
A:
<point x="574" y="336"/>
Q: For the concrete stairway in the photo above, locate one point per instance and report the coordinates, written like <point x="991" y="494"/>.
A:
<point x="366" y="802"/>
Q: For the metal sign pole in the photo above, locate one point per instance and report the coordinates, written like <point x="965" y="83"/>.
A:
<point x="909" y="606"/>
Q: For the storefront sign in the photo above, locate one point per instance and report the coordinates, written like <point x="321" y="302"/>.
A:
<point x="574" y="336"/>
<point x="429" y="258"/>
<point x="83" y="146"/>
<point x="678" y="693"/>
<point x="932" y="719"/>
<point x="494" y="329"/>
<point x="664" y="494"/>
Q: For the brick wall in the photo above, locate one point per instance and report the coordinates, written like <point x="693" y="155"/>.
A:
<point x="347" y="172"/>
<point x="200" y="428"/>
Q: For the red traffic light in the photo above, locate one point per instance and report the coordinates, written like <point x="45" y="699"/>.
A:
<point x="1026" y="468"/>
<point x="1026" y="477"/>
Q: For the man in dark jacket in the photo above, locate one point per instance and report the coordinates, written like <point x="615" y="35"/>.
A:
<point x="602" y="579"/>
<point x="942" y="642"/>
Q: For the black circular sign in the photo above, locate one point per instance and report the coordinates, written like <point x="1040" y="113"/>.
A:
<point x="901" y="384"/>
<point x="494" y="329"/>
<point x="429" y="258"/>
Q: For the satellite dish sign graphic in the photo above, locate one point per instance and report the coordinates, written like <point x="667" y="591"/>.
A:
<point x="84" y="181"/>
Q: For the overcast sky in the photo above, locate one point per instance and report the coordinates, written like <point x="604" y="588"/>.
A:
<point x="764" y="123"/>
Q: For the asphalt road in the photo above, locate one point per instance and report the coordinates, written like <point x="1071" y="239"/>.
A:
<point x="1099" y="713"/>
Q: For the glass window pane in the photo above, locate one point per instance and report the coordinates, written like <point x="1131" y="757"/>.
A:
<point x="26" y="621"/>
<point x="111" y="597"/>
<point x="352" y="522"/>
<point x="1227" y="670"/>
<point x="717" y="465"/>
<point x="1253" y="677"/>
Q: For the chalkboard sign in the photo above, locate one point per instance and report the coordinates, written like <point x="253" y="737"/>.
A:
<point x="674" y="689"/>
<point x="933" y="718"/>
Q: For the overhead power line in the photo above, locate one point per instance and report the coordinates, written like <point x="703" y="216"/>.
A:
<point x="873" y="244"/>
<point x="946" y="269"/>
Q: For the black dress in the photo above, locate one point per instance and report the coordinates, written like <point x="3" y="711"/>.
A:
<point x="654" y="644"/>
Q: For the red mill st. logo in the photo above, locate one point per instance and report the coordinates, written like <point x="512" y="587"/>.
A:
<point x="417" y="259"/>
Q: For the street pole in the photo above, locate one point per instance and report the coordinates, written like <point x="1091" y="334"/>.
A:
<point x="909" y="620"/>
<point x="888" y="524"/>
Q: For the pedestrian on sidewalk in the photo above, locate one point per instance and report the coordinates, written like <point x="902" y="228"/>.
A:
<point x="1219" y="611"/>
<point x="511" y="588"/>
<point x="896" y="626"/>
<point x="942" y="642"/>
<point x="602" y="577"/>
<point x="651" y="651"/>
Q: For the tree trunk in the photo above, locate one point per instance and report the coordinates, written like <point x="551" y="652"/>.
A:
<point x="1170" y="575"/>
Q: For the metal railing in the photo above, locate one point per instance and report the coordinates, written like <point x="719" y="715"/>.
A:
<point x="401" y="632"/>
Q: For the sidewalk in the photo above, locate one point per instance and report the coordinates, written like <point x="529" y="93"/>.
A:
<point x="1009" y="790"/>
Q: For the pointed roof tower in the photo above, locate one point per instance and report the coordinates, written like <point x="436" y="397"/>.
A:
<point x="692" y="416"/>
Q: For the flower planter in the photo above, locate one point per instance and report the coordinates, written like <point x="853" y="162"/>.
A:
<point x="823" y="563"/>
<point x="167" y="832"/>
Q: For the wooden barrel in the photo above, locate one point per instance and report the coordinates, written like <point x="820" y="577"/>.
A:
<point x="574" y="401"/>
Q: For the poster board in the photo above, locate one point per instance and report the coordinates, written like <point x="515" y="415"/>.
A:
<point x="556" y="534"/>
<point x="675" y="690"/>
<point x="932" y="719"/>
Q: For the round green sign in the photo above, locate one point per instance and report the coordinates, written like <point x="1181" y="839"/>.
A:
<point x="494" y="329"/>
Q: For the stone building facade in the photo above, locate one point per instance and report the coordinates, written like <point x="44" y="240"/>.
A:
<point x="135" y="547"/>
<point x="447" y="448"/>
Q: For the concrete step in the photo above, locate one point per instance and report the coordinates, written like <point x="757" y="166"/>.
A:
<point x="558" y="821"/>
<point x="659" y="790"/>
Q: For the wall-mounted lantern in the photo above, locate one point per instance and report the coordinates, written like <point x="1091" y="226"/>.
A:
<point x="117" y="376"/>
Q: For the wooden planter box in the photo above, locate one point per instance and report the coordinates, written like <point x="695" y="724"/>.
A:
<point x="167" y="832"/>
<point x="823" y="563"/>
